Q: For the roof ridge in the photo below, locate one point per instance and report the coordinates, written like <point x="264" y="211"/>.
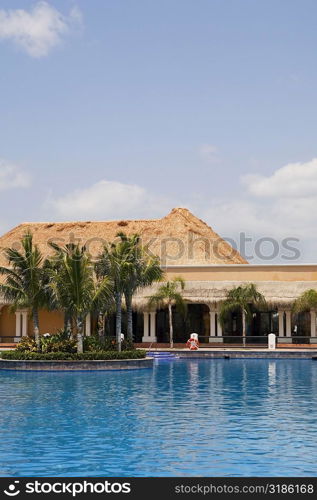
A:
<point x="86" y="221"/>
<point x="181" y="211"/>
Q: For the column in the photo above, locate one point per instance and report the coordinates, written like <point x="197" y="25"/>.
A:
<point x="212" y="315"/>
<point x="219" y="327"/>
<point x="280" y="323"/>
<point x="153" y="326"/>
<point x="288" y="323"/>
<point x="24" y="320"/>
<point x="88" y="325"/>
<point x="288" y="339"/>
<point x="18" y="326"/>
<point x="313" y="333"/>
<point x="146" y="332"/>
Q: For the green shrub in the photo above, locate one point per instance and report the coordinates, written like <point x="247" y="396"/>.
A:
<point x="62" y="342"/>
<point x="127" y="345"/>
<point x="100" y="355"/>
<point x="110" y="344"/>
<point x="26" y="344"/>
<point x="59" y="342"/>
<point x="62" y="346"/>
<point x="95" y="343"/>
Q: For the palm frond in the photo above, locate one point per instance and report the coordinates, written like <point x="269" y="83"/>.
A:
<point x="168" y="293"/>
<point x="24" y="276"/>
<point x="241" y="298"/>
<point x="179" y="280"/>
<point x="306" y="302"/>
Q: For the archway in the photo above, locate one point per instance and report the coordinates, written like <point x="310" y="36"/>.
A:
<point x="195" y="320"/>
<point x="301" y="328"/>
<point x="137" y="319"/>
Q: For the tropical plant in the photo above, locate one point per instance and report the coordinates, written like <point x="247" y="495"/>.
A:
<point x="241" y="298"/>
<point x="27" y="344"/>
<point x="169" y="294"/>
<point x="94" y="343"/>
<point x="52" y="265"/>
<point x="25" y="280"/>
<point x="141" y="270"/>
<point x="113" y="263"/>
<point x="58" y="342"/>
<point x="306" y="301"/>
<point x="74" y="288"/>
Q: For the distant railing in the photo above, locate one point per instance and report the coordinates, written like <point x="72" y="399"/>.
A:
<point x="233" y="339"/>
<point x="254" y="339"/>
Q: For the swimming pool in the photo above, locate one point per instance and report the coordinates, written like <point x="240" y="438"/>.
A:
<point x="183" y="418"/>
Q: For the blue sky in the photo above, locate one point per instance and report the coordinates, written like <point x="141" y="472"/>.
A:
<point x="120" y="109"/>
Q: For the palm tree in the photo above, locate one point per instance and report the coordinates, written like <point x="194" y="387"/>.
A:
<point x="141" y="270"/>
<point x="306" y="301"/>
<point x="168" y="294"/>
<point x="25" y="280"/>
<point x="53" y="264"/>
<point x="112" y="263"/>
<point x="75" y="288"/>
<point x="241" y="298"/>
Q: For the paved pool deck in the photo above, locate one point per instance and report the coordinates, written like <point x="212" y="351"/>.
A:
<point x="240" y="352"/>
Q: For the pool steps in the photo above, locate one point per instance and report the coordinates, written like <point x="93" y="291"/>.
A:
<point x="162" y="355"/>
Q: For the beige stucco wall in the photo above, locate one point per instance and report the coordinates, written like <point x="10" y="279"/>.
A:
<point x="7" y="322"/>
<point x="50" y="322"/>
<point x="245" y="272"/>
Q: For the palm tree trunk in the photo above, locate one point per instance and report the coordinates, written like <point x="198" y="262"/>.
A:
<point x="118" y="319"/>
<point x="67" y="324"/>
<point x="80" y="341"/>
<point x="170" y="320"/>
<point x="65" y="320"/>
<point x="74" y="327"/>
<point x="128" y="301"/>
<point x="36" y="329"/>
<point x="69" y="328"/>
<point x="243" y="328"/>
<point x="101" y="331"/>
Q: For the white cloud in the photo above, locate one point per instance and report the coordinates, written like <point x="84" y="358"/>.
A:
<point x="12" y="176"/>
<point x="249" y="223"/>
<point x="282" y="205"/>
<point x="230" y="217"/>
<point x="292" y="180"/>
<point x="108" y="200"/>
<point x="39" y="30"/>
<point x="209" y="152"/>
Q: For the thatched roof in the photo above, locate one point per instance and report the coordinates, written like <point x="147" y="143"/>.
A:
<point x="277" y="293"/>
<point x="179" y="238"/>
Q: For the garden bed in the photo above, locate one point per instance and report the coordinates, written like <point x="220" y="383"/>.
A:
<point x="61" y="356"/>
<point x="58" y="361"/>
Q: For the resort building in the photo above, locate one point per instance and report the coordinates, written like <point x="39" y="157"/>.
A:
<point x="187" y="247"/>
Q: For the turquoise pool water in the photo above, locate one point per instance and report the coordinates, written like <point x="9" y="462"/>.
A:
<point x="184" y="418"/>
